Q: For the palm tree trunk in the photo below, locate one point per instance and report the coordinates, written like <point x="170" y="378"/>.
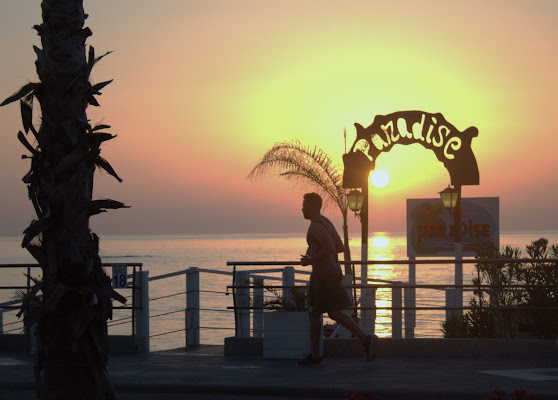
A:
<point x="72" y="324"/>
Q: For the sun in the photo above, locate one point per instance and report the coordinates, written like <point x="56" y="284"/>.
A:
<point x="379" y="178"/>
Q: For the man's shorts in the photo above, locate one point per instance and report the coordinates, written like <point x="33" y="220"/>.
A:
<point x="326" y="293"/>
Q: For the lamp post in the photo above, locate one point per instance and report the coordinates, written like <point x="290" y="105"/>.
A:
<point x="358" y="202"/>
<point x="451" y="200"/>
<point x="356" y="171"/>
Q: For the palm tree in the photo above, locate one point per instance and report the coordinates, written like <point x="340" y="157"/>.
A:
<point x="71" y="318"/>
<point x="309" y="166"/>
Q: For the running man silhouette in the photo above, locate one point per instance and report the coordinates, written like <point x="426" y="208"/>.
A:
<point x="325" y="292"/>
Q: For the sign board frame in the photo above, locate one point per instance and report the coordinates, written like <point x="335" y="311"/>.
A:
<point x="431" y="230"/>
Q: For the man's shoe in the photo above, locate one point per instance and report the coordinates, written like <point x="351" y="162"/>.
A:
<point x="370" y="347"/>
<point x="310" y="361"/>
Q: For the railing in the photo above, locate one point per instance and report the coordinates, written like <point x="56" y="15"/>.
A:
<point x="135" y="313"/>
<point x="193" y="309"/>
<point x="396" y="304"/>
<point x="248" y="285"/>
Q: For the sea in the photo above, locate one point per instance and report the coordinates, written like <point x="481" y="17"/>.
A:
<point x="163" y="254"/>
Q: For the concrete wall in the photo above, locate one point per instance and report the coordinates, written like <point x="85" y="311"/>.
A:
<point x="388" y="347"/>
<point x="118" y="344"/>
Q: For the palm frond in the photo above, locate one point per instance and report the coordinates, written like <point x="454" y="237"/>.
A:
<point x="305" y="165"/>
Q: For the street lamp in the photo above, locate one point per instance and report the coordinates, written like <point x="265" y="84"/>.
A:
<point x="355" y="199"/>
<point x="451" y="200"/>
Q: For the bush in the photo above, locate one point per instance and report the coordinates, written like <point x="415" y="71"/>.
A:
<point x="492" y="312"/>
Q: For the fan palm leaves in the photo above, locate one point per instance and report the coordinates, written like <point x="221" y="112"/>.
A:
<point x="307" y="166"/>
<point x="72" y="313"/>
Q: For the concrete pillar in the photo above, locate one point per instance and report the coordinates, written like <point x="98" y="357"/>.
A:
<point x="368" y="317"/>
<point x="288" y="280"/>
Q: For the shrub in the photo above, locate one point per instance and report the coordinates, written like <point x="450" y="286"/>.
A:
<point x="492" y="311"/>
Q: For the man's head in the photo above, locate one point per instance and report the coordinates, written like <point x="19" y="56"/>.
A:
<point x="311" y="205"/>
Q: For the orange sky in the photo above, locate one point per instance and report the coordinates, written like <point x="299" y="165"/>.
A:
<point x="203" y="88"/>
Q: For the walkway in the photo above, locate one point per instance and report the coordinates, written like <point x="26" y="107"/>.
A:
<point x="206" y="374"/>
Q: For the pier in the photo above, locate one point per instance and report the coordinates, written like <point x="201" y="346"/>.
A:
<point x="406" y="368"/>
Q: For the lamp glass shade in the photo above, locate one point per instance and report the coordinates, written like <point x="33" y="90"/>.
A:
<point x="449" y="197"/>
<point x="355" y="199"/>
<point x="454" y="198"/>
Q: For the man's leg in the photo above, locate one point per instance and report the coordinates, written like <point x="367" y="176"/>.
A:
<point x="348" y="323"/>
<point x="315" y="334"/>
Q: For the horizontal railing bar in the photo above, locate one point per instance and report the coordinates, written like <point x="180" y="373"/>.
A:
<point x="217" y="328"/>
<point x="358" y="278"/>
<point x="167" y="333"/>
<point x="23" y="265"/>
<point x="169" y="295"/>
<point x="120" y="323"/>
<point x="212" y="291"/>
<point x="122" y="263"/>
<point x="405" y="262"/>
<point x="510" y="308"/>
<point x="214" y="271"/>
<point x="167" y="313"/>
<point x="269" y="278"/>
<point x="12" y="287"/>
<point x="13" y="323"/>
<point x="9" y="303"/>
<point x="259" y="271"/>
<point x="185" y="271"/>
<point x="13" y="330"/>
<point x="169" y="275"/>
<point x="408" y="285"/>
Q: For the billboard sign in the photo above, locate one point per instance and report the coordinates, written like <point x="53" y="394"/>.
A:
<point x="431" y="229"/>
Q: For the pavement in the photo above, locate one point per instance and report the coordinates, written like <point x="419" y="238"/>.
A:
<point x="205" y="373"/>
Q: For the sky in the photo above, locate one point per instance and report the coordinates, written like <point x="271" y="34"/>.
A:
<point x="203" y="88"/>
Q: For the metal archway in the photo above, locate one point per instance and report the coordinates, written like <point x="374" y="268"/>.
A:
<point x="451" y="146"/>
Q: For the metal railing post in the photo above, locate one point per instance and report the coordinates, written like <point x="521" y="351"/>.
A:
<point x="258" y="296"/>
<point x="396" y="313"/>
<point x="141" y="300"/>
<point x="243" y="302"/>
<point x="192" y="307"/>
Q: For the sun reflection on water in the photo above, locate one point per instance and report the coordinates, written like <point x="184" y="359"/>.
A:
<point x="380" y="241"/>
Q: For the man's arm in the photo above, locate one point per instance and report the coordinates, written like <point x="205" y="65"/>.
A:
<point x="319" y="232"/>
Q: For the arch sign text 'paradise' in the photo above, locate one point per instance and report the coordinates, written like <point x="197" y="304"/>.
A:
<point x="451" y="146"/>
